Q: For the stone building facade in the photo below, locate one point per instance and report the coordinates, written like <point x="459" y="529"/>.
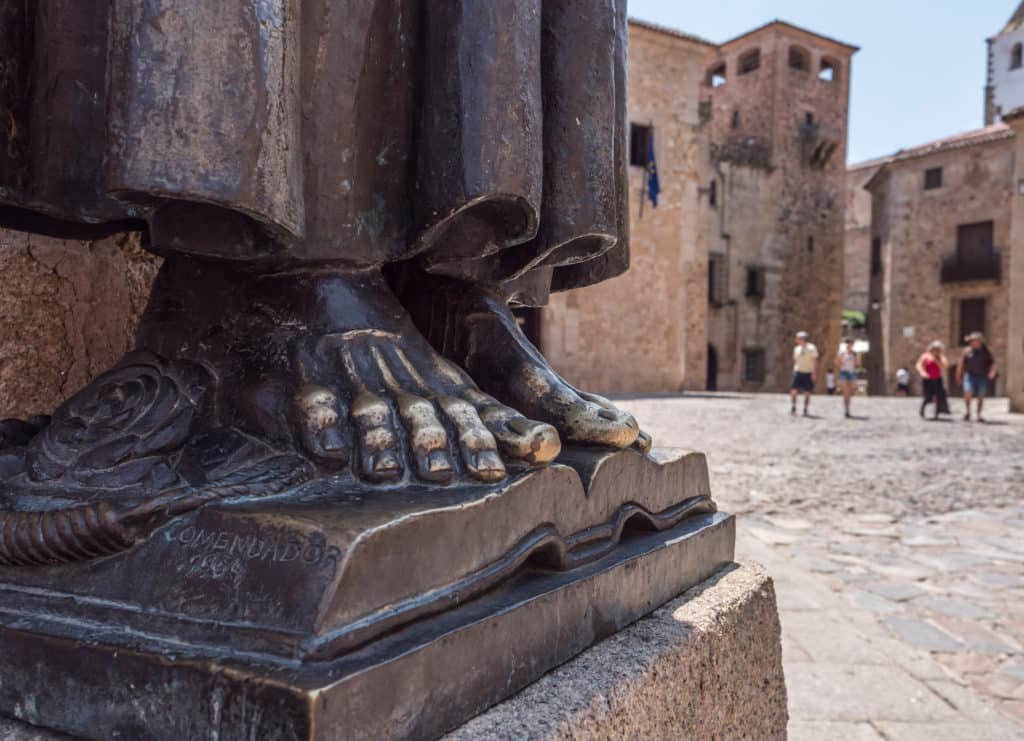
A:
<point x="777" y="100"/>
<point x="857" y="240"/>
<point x="940" y="228"/>
<point x="1015" y="269"/>
<point x="647" y="329"/>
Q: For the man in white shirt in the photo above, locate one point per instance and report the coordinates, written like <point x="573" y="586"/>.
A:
<point x="805" y="371"/>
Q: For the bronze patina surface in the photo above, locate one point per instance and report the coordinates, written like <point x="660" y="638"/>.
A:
<point x="331" y="611"/>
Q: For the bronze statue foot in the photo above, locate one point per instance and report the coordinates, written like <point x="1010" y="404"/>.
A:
<point x="478" y="331"/>
<point x="329" y="362"/>
<point x="407" y="409"/>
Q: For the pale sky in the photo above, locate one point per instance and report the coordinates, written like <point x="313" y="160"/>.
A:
<point x="920" y="73"/>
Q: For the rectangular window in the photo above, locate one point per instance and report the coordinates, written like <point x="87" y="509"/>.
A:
<point x="933" y="178"/>
<point x="755" y="282"/>
<point x="639" y="144"/>
<point x="973" y="312"/>
<point x="717" y="278"/>
<point x="876" y="256"/>
<point x="753" y="366"/>
<point x="975" y="243"/>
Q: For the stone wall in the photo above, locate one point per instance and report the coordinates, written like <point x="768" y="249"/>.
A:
<point x="857" y="239"/>
<point x="778" y="144"/>
<point x="646" y="330"/>
<point x="68" y="311"/>
<point x="1015" y="289"/>
<point x="918" y="231"/>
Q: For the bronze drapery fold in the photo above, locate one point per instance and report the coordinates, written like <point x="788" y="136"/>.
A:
<point x="297" y="131"/>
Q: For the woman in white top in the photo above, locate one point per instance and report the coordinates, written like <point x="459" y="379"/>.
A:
<point x="846" y="364"/>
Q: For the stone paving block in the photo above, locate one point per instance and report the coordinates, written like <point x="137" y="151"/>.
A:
<point x="790" y="523"/>
<point x="976" y="637"/>
<point x="1014" y="669"/>
<point x="792" y="650"/>
<point x="817" y="731"/>
<point x="872" y="602"/>
<point x="773" y="537"/>
<point x="927" y="540"/>
<point x="922" y="634"/>
<point x="829" y="640"/>
<point x="966" y="701"/>
<point x="996" y="579"/>
<point x="949" y="560"/>
<point x="822" y="566"/>
<point x="861" y="693"/>
<point x="947" y="732"/>
<point x="895" y="591"/>
<point x="968" y="663"/>
<point x="952" y="607"/>
<point x="1014" y="710"/>
<point x="903" y="571"/>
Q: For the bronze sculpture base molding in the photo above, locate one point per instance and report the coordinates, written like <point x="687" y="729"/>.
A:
<point x="332" y="613"/>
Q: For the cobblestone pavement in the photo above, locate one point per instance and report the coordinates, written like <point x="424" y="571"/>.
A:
<point x="897" y="545"/>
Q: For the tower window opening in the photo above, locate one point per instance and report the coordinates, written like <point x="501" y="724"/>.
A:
<point x="716" y="76"/>
<point x="749" y="62"/>
<point x="829" y="70"/>
<point x="799" y="59"/>
<point x="736" y="119"/>
<point x="1017" y="56"/>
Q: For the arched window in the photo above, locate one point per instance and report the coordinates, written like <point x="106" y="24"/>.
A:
<point x="749" y="61"/>
<point x="1017" y="56"/>
<point x="716" y="76"/>
<point x="829" y="70"/>
<point x="799" y="59"/>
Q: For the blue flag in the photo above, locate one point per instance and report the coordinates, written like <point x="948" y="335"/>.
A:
<point x="653" y="184"/>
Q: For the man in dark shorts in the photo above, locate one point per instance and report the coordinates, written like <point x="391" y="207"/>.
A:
<point x="805" y="371"/>
<point x="976" y="372"/>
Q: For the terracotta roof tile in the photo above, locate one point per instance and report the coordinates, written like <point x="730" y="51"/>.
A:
<point x="671" y="32"/>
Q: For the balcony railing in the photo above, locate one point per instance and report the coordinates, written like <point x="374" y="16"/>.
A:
<point x="957" y="270"/>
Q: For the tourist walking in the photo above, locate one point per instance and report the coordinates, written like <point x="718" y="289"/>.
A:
<point x="976" y="370"/>
<point x="930" y="366"/>
<point x="805" y="371"/>
<point x="846" y="364"/>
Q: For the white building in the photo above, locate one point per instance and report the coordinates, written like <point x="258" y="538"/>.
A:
<point x="1004" y="90"/>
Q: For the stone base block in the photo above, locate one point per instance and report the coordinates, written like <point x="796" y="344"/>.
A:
<point x="707" y="665"/>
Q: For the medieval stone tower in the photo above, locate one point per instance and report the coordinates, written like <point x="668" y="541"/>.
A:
<point x="776" y="102"/>
<point x="1004" y="88"/>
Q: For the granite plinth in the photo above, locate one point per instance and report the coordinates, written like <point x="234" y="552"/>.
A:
<point x="707" y="665"/>
<point x="333" y="612"/>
